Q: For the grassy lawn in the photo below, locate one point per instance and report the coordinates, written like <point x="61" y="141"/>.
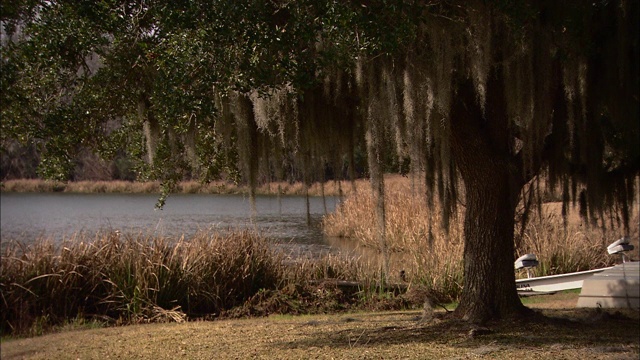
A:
<point x="563" y="333"/>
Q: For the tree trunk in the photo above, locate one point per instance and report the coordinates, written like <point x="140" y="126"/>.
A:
<point x="150" y="126"/>
<point x="481" y="149"/>
<point x="489" y="278"/>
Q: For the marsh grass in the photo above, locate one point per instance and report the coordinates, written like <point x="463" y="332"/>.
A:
<point x="116" y="186"/>
<point x="432" y="257"/>
<point x="330" y="188"/>
<point x="131" y="279"/>
<point x="576" y="246"/>
<point x="117" y="279"/>
<point x="111" y="278"/>
<point x="427" y="255"/>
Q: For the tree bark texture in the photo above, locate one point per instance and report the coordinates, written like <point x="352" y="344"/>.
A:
<point x="481" y="148"/>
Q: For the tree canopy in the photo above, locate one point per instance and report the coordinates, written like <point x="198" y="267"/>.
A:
<point x="486" y="99"/>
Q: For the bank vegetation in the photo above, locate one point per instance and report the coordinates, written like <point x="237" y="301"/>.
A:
<point x="329" y="188"/>
<point x="117" y="279"/>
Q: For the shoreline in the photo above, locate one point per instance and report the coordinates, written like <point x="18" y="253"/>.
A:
<point x="329" y="188"/>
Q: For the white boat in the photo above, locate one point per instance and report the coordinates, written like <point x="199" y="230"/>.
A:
<point x="618" y="287"/>
<point x="553" y="283"/>
<point x="569" y="281"/>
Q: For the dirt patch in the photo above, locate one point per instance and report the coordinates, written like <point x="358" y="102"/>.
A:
<point x="567" y="333"/>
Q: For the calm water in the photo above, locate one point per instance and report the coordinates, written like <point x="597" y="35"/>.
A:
<point x="28" y="216"/>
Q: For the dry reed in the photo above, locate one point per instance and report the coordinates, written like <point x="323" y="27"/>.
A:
<point x="128" y="279"/>
<point x="329" y="188"/>
<point x="122" y="279"/>
<point x="132" y="278"/>
<point x="429" y="256"/>
<point x="434" y="261"/>
<point x="577" y="246"/>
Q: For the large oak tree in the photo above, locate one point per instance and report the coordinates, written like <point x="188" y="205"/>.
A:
<point x="483" y="97"/>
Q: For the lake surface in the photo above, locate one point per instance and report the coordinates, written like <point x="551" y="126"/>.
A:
<point x="26" y="216"/>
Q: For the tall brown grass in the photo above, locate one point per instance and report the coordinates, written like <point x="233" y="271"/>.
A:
<point x="329" y="188"/>
<point x="132" y="279"/>
<point x="128" y="279"/>
<point x="436" y="260"/>
<point x="575" y="247"/>
<point x="123" y="279"/>
<point x="116" y="186"/>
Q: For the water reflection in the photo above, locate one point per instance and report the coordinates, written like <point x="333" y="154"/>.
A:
<point x="29" y="216"/>
<point x="283" y="220"/>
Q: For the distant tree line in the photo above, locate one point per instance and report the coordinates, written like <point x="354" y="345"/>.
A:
<point x="22" y="161"/>
<point x="19" y="161"/>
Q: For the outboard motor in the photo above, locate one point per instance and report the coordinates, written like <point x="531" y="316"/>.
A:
<point x="527" y="262"/>
<point x="620" y="246"/>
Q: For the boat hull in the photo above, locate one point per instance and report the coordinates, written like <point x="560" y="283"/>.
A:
<point x="553" y="283"/>
<point x="618" y="287"/>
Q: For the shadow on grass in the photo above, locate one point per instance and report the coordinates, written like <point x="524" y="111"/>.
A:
<point x="599" y="331"/>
